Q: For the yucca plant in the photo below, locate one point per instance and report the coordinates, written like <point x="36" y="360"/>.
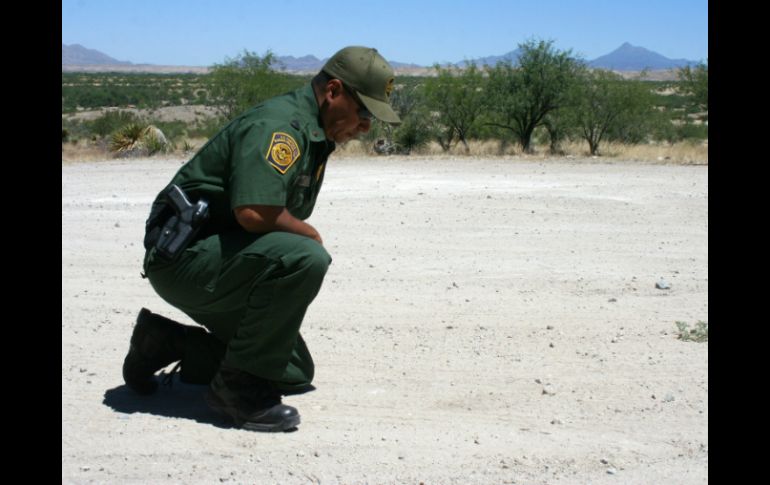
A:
<point x="127" y="138"/>
<point x="137" y="139"/>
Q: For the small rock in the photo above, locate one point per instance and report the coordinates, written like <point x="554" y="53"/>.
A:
<point x="612" y="300"/>
<point x="117" y="224"/>
<point x="604" y="461"/>
<point x="662" y="285"/>
<point x="611" y="471"/>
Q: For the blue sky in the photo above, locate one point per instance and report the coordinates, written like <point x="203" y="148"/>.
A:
<point x="203" y="32"/>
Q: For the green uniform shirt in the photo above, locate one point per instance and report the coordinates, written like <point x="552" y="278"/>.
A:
<point x="273" y="154"/>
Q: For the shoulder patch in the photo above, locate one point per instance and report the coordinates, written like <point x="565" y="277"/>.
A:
<point x="283" y="152"/>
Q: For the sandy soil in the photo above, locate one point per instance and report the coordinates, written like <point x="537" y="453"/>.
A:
<point x="483" y="322"/>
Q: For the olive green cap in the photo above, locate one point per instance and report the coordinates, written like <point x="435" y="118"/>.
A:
<point x="368" y="73"/>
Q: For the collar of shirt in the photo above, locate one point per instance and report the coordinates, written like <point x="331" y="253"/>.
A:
<point x="314" y="129"/>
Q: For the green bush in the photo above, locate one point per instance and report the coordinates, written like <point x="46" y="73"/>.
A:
<point x="73" y="131"/>
<point x="155" y="141"/>
<point x="411" y="135"/>
<point x="205" y="128"/>
<point x="110" y="122"/>
<point x="698" y="334"/>
<point x="691" y="131"/>
<point x="173" y="130"/>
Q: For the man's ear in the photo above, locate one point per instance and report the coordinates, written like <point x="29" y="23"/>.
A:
<point x="334" y="88"/>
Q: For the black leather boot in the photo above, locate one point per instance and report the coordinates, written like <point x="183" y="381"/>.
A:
<point x="251" y="402"/>
<point x="155" y="343"/>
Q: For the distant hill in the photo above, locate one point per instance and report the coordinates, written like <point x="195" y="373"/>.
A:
<point x="626" y="58"/>
<point x="299" y="64"/>
<point x="77" y="54"/>
<point x="512" y="57"/>
<point x="76" y="58"/>
<point x="632" y="58"/>
<point x="308" y="64"/>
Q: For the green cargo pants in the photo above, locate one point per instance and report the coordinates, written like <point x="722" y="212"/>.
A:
<point x="251" y="291"/>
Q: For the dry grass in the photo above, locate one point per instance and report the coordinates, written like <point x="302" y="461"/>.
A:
<point x="686" y="153"/>
<point x="89" y="151"/>
<point x="84" y="151"/>
<point x="683" y="153"/>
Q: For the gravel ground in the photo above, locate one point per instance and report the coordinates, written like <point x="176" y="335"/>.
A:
<point x="484" y="321"/>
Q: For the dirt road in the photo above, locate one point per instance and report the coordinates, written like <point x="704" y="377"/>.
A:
<point x="483" y="321"/>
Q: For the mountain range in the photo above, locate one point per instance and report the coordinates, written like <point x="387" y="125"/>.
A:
<point x="77" y="54"/>
<point x="625" y="58"/>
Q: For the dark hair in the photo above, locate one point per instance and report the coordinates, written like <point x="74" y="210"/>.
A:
<point x="321" y="79"/>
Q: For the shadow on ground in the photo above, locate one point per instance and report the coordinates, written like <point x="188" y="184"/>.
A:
<point x="179" y="400"/>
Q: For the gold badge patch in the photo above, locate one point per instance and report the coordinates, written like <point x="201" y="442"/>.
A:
<point x="389" y="87"/>
<point x="283" y="152"/>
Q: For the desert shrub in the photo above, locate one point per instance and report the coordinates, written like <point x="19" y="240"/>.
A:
<point x="691" y="131"/>
<point x="205" y="128"/>
<point x="700" y="333"/>
<point x="110" y="122"/>
<point x="155" y="141"/>
<point x="73" y="131"/>
<point x="411" y="134"/>
<point x="173" y="130"/>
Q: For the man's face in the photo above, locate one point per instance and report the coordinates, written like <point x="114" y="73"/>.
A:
<point x="340" y="114"/>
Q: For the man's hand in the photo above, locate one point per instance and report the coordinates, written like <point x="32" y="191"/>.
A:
<point x="270" y="218"/>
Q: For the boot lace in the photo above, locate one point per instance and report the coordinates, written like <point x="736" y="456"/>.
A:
<point x="168" y="379"/>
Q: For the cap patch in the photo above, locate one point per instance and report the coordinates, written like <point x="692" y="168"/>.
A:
<point x="283" y="152"/>
<point x="389" y="87"/>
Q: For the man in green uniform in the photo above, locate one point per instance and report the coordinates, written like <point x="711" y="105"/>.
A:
<point x="252" y="267"/>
